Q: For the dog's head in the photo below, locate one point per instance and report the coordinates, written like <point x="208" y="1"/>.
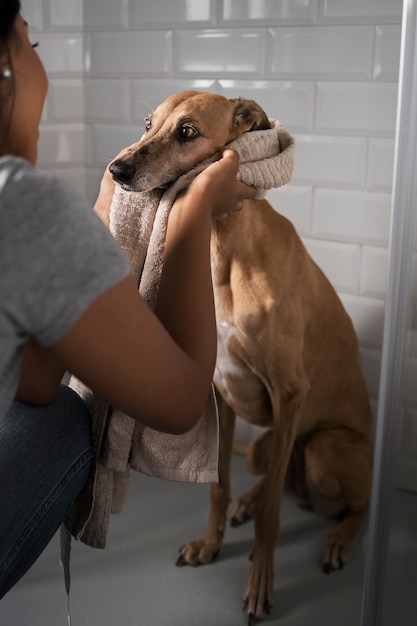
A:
<point x="184" y="130"/>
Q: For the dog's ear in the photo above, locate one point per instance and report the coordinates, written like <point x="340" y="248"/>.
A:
<point x="248" y="115"/>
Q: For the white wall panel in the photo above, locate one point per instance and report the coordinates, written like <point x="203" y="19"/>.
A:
<point x="177" y="13"/>
<point x="108" y="140"/>
<point x="147" y="94"/>
<point x="295" y="203"/>
<point x="387" y="52"/>
<point x="207" y="52"/>
<point x="62" y="14"/>
<point x="367" y="316"/>
<point x="352" y="108"/>
<point x="106" y="14"/>
<point x="289" y="101"/>
<point x="337" y="52"/>
<point x="115" y="54"/>
<point x="61" y="145"/>
<point x="354" y="216"/>
<point x="107" y="100"/>
<point x="330" y="161"/>
<point x="340" y="262"/>
<point x="360" y="11"/>
<point x="74" y="176"/>
<point x="279" y="11"/>
<point x="374" y="272"/>
<point x="66" y="100"/>
<point x="62" y="53"/>
<point x="380" y="165"/>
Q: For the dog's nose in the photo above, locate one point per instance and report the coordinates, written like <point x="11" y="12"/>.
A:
<point x="121" y="171"/>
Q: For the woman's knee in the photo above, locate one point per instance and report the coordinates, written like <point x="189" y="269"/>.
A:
<point x="45" y="461"/>
<point x="60" y="429"/>
<point x="72" y="409"/>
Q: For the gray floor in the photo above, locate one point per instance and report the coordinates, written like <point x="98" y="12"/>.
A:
<point x="135" y="581"/>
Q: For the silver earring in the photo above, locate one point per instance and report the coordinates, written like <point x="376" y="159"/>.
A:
<point x="6" y="72"/>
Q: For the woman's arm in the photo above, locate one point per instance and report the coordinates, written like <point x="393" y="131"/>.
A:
<point x="40" y="374"/>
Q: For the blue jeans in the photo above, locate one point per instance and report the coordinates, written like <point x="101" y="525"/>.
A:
<point x="45" y="459"/>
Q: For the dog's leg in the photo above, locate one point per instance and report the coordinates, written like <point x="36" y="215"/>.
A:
<point x="206" y="548"/>
<point x="338" y="473"/>
<point x="287" y="408"/>
<point x="258" y="455"/>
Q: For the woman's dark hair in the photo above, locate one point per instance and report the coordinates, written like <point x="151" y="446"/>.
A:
<point x="9" y="10"/>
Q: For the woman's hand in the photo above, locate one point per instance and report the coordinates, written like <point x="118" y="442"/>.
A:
<point x="104" y="198"/>
<point x="217" y="187"/>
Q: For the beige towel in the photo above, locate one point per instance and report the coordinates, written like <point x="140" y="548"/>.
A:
<point x="138" y="222"/>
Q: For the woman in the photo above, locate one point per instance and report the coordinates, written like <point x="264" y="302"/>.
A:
<point x="68" y="302"/>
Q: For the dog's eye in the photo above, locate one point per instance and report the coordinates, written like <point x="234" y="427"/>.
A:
<point x="188" y="131"/>
<point x="148" y="122"/>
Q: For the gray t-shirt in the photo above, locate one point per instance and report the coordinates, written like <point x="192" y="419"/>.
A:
<point x="56" y="257"/>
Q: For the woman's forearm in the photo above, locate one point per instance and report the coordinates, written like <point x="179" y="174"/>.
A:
<point x="185" y="302"/>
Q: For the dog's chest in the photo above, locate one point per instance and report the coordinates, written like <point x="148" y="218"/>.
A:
<point x="238" y="385"/>
<point x="228" y="368"/>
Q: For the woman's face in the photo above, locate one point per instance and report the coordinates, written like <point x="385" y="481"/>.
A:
<point x="31" y="86"/>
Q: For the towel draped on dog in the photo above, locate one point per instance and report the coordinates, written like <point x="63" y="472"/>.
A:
<point x="138" y="221"/>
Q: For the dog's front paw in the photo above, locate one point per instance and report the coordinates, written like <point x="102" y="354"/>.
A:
<point x="257" y="600"/>
<point x="197" y="552"/>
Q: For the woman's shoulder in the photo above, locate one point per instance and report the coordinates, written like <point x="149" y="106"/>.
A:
<point x="29" y="194"/>
<point x="12" y="164"/>
<point x="18" y="176"/>
<point x="35" y="204"/>
<point x="15" y="169"/>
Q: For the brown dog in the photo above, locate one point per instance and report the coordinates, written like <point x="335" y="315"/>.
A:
<point x="287" y="351"/>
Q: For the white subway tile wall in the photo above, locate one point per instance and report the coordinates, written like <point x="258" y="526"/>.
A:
<point x="265" y="11"/>
<point x="64" y="14"/>
<point x="127" y="53"/>
<point x="106" y="14"/>
<point x="173" y="13"/>
<point x="331" y="52"/>
<point x="58" y="26"/>
<point x="386" y="60"/>
<point x="327" y="69"/>
<point x="357" y="11"/>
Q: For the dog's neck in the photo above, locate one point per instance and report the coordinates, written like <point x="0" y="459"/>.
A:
<point x="232" y="239"/>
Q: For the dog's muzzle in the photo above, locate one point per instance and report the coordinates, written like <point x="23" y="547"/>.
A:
<point x="122" y="172"/>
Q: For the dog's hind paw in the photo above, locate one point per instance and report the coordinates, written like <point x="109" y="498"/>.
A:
<point x="244" y="510"/>
<point x="335" y="554"/>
